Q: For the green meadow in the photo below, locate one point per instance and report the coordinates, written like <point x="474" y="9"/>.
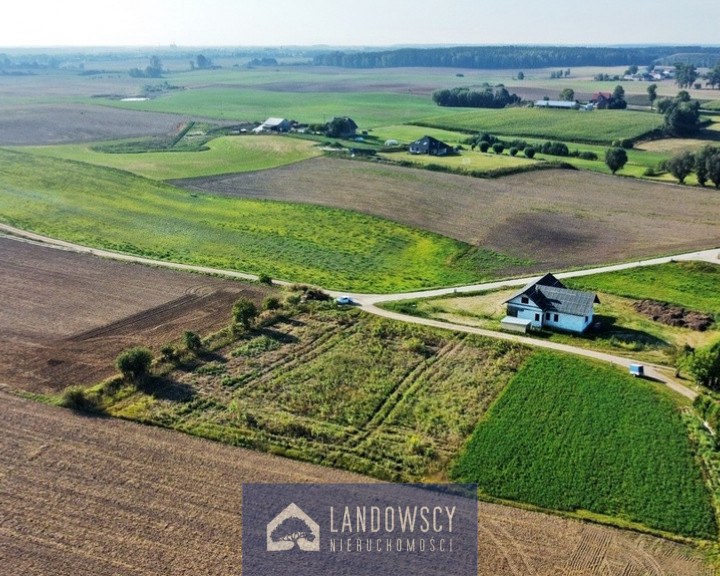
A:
<point x="694" y="285"/>
<point x="598" y="126"/>
<point x="224" y="155"/>
<point x="367" y="109"/>
<point x="569" y="434"/>
<point x="112" y="209"/>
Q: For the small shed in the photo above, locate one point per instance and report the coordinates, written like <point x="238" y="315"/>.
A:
<point x="513" y="324"/>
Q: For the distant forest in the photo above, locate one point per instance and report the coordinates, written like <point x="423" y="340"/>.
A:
<point x="521" y="57"/>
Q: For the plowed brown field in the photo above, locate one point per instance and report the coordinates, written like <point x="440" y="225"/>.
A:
<point x="556" y="218"/>
<point x="94" y="496"/>
<point x="64" y="317"/>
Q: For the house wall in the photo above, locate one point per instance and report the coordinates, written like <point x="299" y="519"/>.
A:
<point x="567" y="322"/>
<point x="526" y="312"/>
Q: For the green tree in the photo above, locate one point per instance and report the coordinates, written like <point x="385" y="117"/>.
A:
<point x="568" y="95"/>
<point x="498" y="148"/>
<point x="203" y="62"/>
<point x="652" y="94"/>
<point x="615" y="158"/>
<point x="681" y="165"/>
<point x="712" y="167"/>
<point x="682" y="117"/>
<point x="701" y="158"/>
<point x="617" y="99"/>
<point x="521" y="76"/>
<point x="704" y="365"/>
<point x="713" y="76"/>
<point x="685" y="74"/>
<point x="244" y="312"/>
<point x="529" y="152"/>
<point x="134" y="363"/>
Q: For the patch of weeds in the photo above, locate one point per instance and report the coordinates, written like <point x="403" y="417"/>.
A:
<point x="256" y="347"/>
<point x="211" y="369"/>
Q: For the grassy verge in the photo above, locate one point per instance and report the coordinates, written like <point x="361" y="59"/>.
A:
<point x="110" y="209"/>
<point x="571" y="435"/>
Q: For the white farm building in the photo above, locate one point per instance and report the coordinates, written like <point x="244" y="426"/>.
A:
<point x="547" y="303"/>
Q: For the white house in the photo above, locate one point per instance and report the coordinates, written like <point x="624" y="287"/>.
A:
<point x="274" y="125"/>
<point x="547" y="303"/>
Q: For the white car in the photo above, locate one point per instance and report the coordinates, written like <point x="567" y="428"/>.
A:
<point x="346" y="300"/>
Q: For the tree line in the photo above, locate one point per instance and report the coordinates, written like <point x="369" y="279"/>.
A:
<point x="487" y="97"/>
<point x="499" y="57"/>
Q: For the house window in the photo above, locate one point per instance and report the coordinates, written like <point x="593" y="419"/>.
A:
<point x="525" y="300"/>
<point x="586" y="318"/>
<point x="537" y="317"/>
<point x="556" y="318"/>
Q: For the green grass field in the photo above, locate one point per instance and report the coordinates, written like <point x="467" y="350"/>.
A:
<point x="599" y="126"/>
<point x="112" y="209"/>
<point x="367" y="109"/>
<point x="572" y="435"/>
<point x="693" y="285"/>
<point x="225" y="155"/>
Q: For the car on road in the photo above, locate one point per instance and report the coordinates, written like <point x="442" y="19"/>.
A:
<point x="345" y="300"/>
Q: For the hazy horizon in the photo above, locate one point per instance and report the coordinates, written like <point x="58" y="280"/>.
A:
<point x="380" y="23"/>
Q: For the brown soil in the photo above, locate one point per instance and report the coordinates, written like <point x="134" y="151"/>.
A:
<point x="39" y="124"/>
<point x="674" y="315"/>
<point x="95" y="496"/>
<point x="65" y="317"/>
<point x="557" y="218"/>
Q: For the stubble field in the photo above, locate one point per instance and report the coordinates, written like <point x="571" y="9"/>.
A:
<point x="113" y="508"/>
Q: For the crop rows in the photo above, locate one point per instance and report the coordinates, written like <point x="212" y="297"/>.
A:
<point x="570" y="435"/>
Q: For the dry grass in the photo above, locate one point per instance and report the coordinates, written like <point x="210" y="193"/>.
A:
<point x="555" y="218"/>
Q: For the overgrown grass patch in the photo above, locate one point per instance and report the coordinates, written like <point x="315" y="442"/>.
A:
<point x="568" y="434"/>
<point x="341" y="388"/>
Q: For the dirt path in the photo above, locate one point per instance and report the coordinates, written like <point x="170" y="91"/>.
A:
<point x="369" y="301"/>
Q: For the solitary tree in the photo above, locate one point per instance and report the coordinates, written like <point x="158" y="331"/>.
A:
<point x="521" y="76"/>
<point x="567" y="94"/>
<point x="681" y="165"/>
<point x="192" y="341"/>
<point x="685" y="74"/>
<point x="652" y="94"/>
<point x="292" y="530"/>
<point x="244" y="312"/>
<point x="615" y="158"/>
<point x="704" y="365"/>
<point x="134" y="363"/>
<point x="682" y="117"/>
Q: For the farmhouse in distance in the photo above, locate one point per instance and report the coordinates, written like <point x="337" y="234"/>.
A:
<point x="547" y="303"/>
<point x="431" y="146"/>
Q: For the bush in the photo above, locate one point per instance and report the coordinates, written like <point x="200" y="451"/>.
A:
<point x="265" y="279"/>
<point x="498" y="148"/>
<point x="555" y="149"/>
<point x="244" y="312"/>
<point x="169" y="353"/>
<point x="134" y="363"/>
<point x="271" y="303"/>
<point x="192" y="341"/>
<point x="588" y="156"/>
<point x="529" y="152"/>
<point x="484" y="146"/>
<point x="513" y="151"/>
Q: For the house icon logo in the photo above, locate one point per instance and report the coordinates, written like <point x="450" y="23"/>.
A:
<point x="292" y="528"/>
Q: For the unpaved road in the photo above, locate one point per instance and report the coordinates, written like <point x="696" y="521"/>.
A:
<point x="369" y="301"/>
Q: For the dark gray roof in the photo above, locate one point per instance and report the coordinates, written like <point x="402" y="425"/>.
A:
<point x="550" y="295"/>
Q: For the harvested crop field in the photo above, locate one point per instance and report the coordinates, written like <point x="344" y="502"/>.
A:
<point x="94" y="496"/>
<point x="65" y="316"/>
<point x="556" y="218"/>
<point x="38" y="124"/>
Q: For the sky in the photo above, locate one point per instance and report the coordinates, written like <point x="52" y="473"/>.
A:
<point x="26" y="23"/>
